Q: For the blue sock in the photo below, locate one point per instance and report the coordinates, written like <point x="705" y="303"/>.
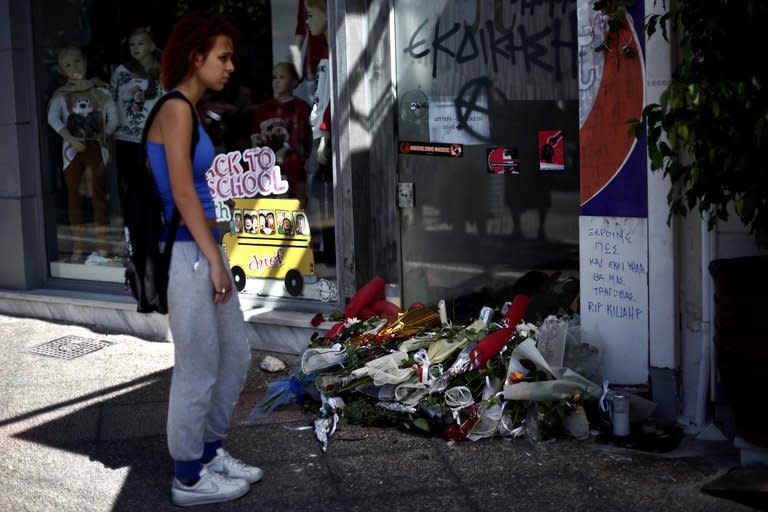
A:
<point x="187" y="470"/>
<point x="209" y="451"/>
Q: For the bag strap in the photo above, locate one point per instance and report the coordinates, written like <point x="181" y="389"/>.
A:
<point x="176" y="218"/>
<point x="150" y="119"/>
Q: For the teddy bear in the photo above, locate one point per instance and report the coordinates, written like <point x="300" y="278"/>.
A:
<point x="83" y="122"/>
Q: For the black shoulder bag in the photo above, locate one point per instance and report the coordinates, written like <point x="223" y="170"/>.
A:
<point x="146" y="267"/>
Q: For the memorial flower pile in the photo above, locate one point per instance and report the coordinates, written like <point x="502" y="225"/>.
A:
<point x="495" y="376"/>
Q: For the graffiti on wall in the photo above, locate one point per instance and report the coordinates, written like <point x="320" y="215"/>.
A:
<point x="483" y="55"/>
<point x="545" y="49"/>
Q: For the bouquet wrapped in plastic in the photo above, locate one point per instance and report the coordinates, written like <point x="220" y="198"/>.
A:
<point x="419" y="369"/>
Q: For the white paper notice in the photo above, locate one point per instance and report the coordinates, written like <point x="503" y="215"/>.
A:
<point x="444" y="123"/>
<point x="614" y="294"/>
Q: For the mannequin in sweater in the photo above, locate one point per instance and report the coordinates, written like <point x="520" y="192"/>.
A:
<point x="136" y="88"/>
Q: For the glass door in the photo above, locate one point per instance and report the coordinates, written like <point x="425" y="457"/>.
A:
<point x="488" y="119"/>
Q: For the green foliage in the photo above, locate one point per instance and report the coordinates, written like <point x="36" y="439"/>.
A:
<point x="707" y="134"/>
<point x="616" y="11"/>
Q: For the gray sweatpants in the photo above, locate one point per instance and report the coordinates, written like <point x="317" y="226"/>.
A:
<point x="211" y="355"/>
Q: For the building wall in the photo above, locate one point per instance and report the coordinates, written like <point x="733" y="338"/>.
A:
<point x="663" y="336"/>
<point x="366" y="217"/>
<point x="19" y="173"/>
<point x="689" y="321"/>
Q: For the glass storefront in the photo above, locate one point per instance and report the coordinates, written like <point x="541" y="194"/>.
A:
<point x="97" y="69"/>
<point x="487" y="134"/>
<point x="488" y="126"/>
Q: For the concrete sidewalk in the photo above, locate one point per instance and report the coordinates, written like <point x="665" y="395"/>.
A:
<point x="88" y="434"/>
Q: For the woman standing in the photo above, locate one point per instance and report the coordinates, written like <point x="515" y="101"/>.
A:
<point x="212" y="354"/>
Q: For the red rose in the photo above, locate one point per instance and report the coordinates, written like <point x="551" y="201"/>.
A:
<point x="469" y="416"/>
<point x="317" y="320"/>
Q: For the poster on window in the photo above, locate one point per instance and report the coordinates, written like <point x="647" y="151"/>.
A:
<point x="551" y="150"/>
<point x="446" y="127"/>
<point x="503" y="160"/>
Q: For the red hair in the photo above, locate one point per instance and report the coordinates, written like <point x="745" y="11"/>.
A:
<point x="193" y="34"/>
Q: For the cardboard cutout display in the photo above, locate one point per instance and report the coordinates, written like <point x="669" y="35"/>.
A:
<point x="271" y="246"/>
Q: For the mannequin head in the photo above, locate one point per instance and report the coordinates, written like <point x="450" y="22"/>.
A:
<point x="72" y="63"/>
<point x="284" y="79"/>
<point x="317" y="18"/>
<point x="140" y="44"/>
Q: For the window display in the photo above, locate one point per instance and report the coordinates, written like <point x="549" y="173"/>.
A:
<point x="98" y="78"/>
<point x="83" y="114"/>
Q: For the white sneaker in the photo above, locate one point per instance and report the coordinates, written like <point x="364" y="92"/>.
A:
<point x="211" y="488"/>
<point x="227" y="465"/>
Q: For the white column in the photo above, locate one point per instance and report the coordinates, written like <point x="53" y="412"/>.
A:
<point x="662" y="278"/>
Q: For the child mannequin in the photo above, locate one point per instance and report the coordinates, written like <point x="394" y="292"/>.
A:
<point x="282" y="123"/>
<point x="136" y="88"/>
<point x="83" y="114"/>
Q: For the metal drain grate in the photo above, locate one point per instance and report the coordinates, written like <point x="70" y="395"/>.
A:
<point x="69" y="347"/>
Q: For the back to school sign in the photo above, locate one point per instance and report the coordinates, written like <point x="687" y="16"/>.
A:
<point x="245" y="174"/>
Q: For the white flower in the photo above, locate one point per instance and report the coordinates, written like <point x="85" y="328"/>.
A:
<point x="349" y="322"/>
<point x="527" y="330"/>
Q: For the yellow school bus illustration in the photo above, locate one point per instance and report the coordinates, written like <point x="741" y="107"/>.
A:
<point x="270" y="239"/>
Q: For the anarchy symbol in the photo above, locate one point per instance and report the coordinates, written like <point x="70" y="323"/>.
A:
<point x="467" y="103"/>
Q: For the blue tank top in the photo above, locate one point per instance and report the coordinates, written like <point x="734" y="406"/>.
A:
<point x="203" y="158"/>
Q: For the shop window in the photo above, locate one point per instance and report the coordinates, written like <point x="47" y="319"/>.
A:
<point x="98" y="76"/>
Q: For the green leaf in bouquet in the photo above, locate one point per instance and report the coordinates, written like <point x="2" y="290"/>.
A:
<point x="422" y="424"/>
